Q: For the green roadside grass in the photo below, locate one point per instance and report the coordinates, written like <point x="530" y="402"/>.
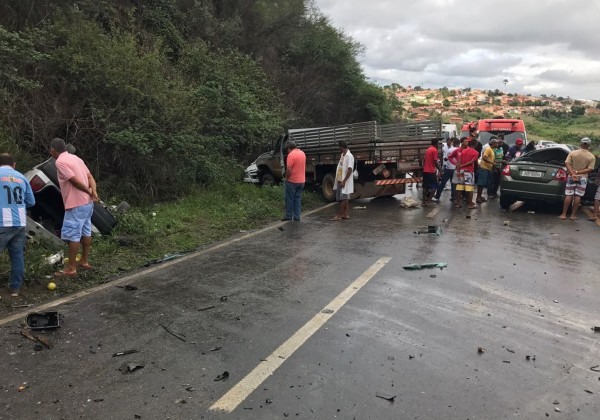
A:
<point x="152" y="232"/>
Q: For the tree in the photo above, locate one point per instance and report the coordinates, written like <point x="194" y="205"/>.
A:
<point x="505" y="81"/>
<point x="417" y="88"/>
<point x="577" y="110"/>
<point x="446" y="103"/>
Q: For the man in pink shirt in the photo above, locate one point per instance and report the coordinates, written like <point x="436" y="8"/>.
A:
<point x="78" y="189"/>
<point x="295" y="176"/>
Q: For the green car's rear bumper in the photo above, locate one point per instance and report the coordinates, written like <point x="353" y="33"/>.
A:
<point x="553" y="191"/>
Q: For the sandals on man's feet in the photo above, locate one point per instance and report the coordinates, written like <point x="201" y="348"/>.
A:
<point x="63" y="273"/>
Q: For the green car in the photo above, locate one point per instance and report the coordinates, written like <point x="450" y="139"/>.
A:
<point x="539" y="175"/>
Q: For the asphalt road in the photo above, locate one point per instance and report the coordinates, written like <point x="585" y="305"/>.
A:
<point x="526" y="288"/>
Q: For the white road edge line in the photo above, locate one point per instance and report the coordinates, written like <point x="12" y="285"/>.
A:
<point x="236" y="395"/>
<point x="131" y="277"/>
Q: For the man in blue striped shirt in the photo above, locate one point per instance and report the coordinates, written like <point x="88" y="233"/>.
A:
<point x="15" y="196"/>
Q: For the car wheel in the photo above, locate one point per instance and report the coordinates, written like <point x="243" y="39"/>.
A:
<point x="506" y="201"/>
<point x="327" y="187"/>
<point x="103" y="220"/>
<point x="267" y="179"/>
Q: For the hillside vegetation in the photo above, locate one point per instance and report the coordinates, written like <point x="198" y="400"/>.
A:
<point x="160" y="96"/>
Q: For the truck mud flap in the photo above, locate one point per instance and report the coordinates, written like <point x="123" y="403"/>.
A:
<point x="372" y="189"/>
<point x="399" y="181"/>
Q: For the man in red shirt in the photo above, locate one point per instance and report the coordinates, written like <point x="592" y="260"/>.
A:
<point x="295" y="177"/>
<point x="465" y="173"/>
<point x="431" y="166"/>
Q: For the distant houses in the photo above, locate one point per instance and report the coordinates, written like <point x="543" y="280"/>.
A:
<point x="451" y="103"/>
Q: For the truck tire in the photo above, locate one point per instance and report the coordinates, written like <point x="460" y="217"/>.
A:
<point x="506" y="201"/>
<point x="267" y="179"/>
<point x="327" y="187"/>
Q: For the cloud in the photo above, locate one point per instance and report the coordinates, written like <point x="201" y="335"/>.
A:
<point x="537" y="46"/>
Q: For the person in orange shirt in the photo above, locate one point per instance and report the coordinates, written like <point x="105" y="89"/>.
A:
<point x="295" y="177"/>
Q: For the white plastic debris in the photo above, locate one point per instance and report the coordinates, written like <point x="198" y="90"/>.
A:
<point x="409" y="202"/>
<point x="56" y="258"/>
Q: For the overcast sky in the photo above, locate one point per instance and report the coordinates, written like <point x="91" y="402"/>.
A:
<point x="541" y="46"/>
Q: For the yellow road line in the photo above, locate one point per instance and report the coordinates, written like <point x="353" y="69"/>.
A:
<point x="236" y="395"/>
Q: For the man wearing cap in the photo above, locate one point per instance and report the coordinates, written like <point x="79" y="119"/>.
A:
<point x="515" y="151"/>
<point x="579" y="164"/>
<point x="484" y="173"/>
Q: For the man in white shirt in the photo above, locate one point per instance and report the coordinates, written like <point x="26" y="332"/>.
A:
<point x="448" y="170"/>
<point x="344" y="182"/>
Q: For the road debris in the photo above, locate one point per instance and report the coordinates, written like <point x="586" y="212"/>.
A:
<point x="206" y="308"/>
<point x="174" y="334"/>
<point x="327" y="311"/>
<point x="440" y="265"/>
<point x="555" y="301"/>
<point x="128" y="287"/>
<point x="506" y="223"/>
<point x="528" y="357"/>
<point x="124" y="353"/>
<point x="385" y="396"/>
<point x="36" y="339"/>
<point x="44" y="320"/>
<point x="38" y="347"/>
<point x="429" y="230"/>
<point x="222" y="377"/>
<point x="531" y="212"/>
<point x="506" y="361"/>
<point x="130" y="367"/>
<point x="595" y="368"/>
<point x="517" y="205"/>
<point x="359" y="207"/>
<point x="26" y="305"/>
<point x="224" y="298"/>
<point x="181" y="401"/>
<point x="588" y="391"/>
<point x="280" y="228"/>
<point x="555" y="402"/>
<point x="596" y="329"/>
<point x="23" y="387"/>
<point x="509" y="350"/>
<point x="409" y="203"/>
<point x="557" y="409"/>
<point x="480" y="350"/>
<point x="165" y="258"/>
<point x="216" y="348"/>
<point x="55" y="259"/>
